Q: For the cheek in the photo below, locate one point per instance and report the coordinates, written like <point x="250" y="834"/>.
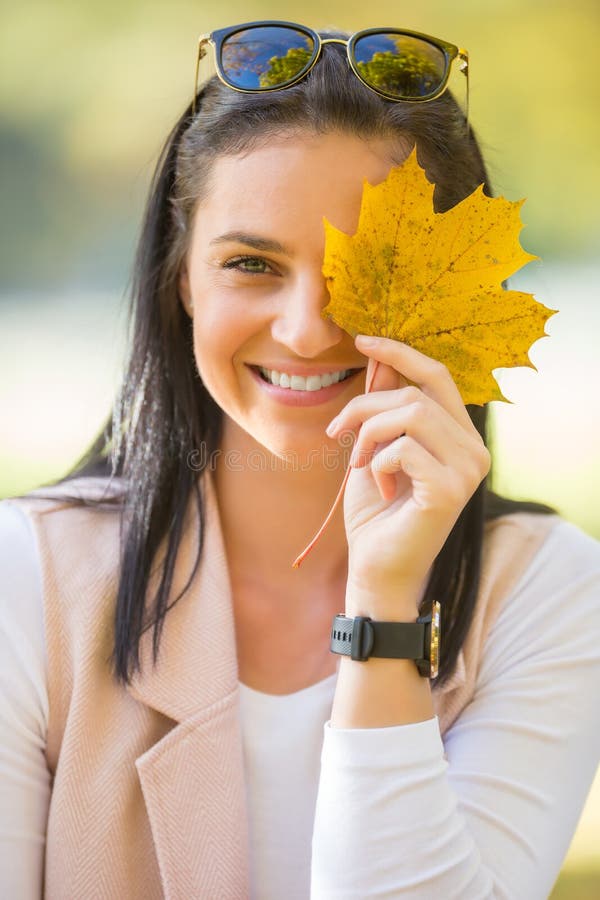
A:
<point x="213" y="347"/>
<point x="219" y="336"/>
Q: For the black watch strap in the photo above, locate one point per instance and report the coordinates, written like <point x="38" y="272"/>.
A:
<point x="360" y="638"/>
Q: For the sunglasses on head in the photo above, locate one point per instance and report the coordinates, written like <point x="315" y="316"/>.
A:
<point x="268" y="56"/>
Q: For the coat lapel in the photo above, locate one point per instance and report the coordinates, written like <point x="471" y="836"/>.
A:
<point x="192" y="779"/>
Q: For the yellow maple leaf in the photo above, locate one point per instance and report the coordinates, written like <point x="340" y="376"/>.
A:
<point x="434" y="280"/>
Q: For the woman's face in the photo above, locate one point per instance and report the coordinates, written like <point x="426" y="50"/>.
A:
<point x="253" y="282"/>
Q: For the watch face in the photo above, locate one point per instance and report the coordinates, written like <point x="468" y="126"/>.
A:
<point x="434" y="653"/>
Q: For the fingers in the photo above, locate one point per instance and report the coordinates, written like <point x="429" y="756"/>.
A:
<point x="386" y="378"/>
<point x="433" y="429"/>
<point x="434" y="486"/>
<point x="412" y="413"/>
<point x="405" y="404"/>
<point x="430" y="375"/>
<point x="413" y="421"/>
<point x="391" y="426"/>
<point x="409" y="456"/>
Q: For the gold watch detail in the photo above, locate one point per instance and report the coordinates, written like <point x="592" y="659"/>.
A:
<point x="434" y="651"/>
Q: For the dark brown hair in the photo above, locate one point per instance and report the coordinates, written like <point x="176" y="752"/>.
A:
<point x="163" y="412"/>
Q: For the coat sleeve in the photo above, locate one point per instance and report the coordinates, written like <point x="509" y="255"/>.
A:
<point x="24" y="777"/>
<point x="488" y="811"/>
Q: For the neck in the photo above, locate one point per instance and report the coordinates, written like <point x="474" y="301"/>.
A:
<point x="269" y="512"/>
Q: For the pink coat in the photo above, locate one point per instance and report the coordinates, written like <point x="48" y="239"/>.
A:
<point x="148" y="796"/>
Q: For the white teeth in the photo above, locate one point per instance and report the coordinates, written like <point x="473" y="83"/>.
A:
<point x="302" y="383"/>
<point x="313" y="383"/>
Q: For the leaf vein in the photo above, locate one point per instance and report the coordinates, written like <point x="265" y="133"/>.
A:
<point x="466" y="327"/>
<point x="450" y="266"/>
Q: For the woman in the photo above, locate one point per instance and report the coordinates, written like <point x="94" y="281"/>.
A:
<point x="176" y="723"/>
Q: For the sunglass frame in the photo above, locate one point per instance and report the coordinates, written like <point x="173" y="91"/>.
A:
<point x="217" y="38"/>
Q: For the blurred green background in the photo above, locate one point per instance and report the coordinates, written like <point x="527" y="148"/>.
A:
<point x="87" y="95"/>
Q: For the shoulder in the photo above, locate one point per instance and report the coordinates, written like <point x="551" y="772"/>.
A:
<point x="74" y="533"/>
<point x="19" y="569"/>
<point x="551" y="617"/>
<point x="16" y="534"/>
<point x="22" y="643"/>
<point x="510" y="543"/>
<point x="89" y="492"/>
<point x="533" y="564"/>
<point x="551" y="543"/>
<point x="567" y="551"/>
<point x="78" y="506"/>
<point x="563" y="576"/>
<point x="519" y="528"/>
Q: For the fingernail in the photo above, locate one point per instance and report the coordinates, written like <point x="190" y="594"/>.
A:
<point x="366" y="340"/>
<point x="331" y="427"/>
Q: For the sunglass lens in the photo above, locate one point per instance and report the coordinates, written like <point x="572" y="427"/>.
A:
<point x="400" y="65"/>
<point x="265" y="57"/>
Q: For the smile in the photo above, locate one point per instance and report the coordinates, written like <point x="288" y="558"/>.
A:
<point x="304" y="383"/>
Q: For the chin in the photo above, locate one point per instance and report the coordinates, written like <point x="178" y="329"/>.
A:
<point x="309" y="454"/>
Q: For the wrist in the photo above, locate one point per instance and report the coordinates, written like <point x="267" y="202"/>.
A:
<point x="386" y="604"/>
<point x="361" y="637"/>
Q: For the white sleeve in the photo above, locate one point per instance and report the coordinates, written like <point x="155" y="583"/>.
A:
<point x="493" y="815"/>
<point x="25" y="782"/>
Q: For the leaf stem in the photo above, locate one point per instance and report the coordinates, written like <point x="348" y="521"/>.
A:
<point x="299" y="559"/>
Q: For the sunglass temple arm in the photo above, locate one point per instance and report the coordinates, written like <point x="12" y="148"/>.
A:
<point x="202" y="40"/>
<point x="463" y="56"/>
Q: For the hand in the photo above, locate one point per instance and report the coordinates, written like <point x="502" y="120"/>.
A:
<point x="417" y="460"/>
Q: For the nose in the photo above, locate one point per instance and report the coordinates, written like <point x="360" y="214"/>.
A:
<point x="298" y="323"/>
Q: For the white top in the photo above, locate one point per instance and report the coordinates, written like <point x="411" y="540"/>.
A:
<point x="379" y="812"/>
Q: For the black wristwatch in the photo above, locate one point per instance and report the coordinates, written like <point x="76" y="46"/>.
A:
<point x="361" y="637"/>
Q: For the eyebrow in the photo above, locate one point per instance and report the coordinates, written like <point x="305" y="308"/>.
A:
<point x="251" y="240"/>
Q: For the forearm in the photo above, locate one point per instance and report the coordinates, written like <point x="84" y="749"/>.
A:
<point x="380" y="692"/>
<point x="489" y="811"/>
<point x="386" y="820"/>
